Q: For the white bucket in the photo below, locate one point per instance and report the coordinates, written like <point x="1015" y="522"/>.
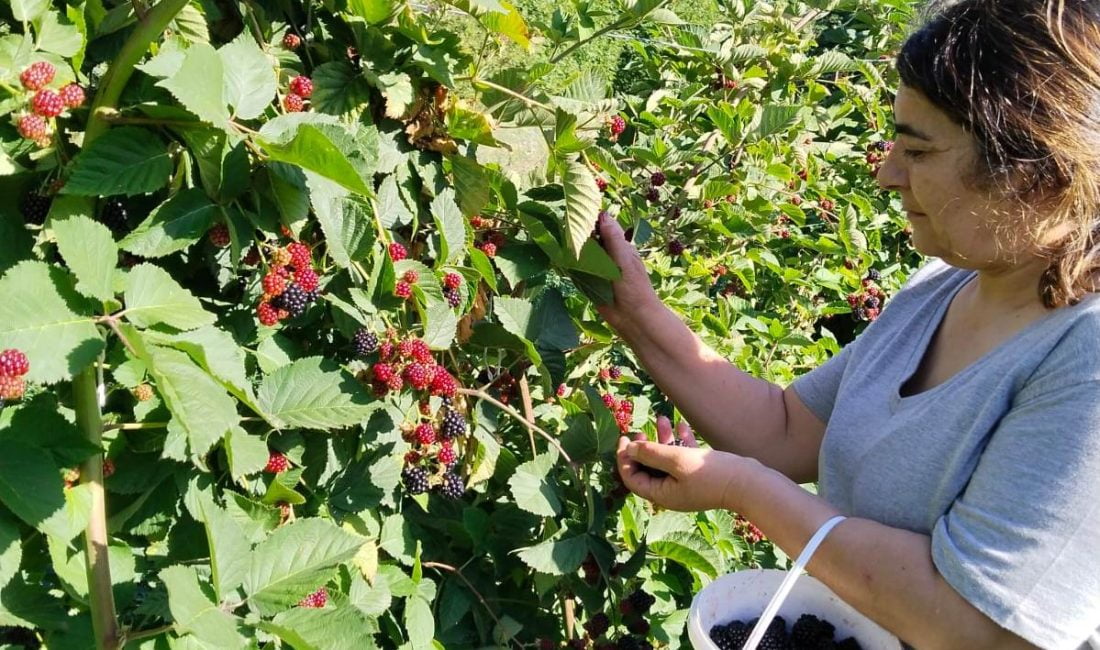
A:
<point x="742" y="596"/>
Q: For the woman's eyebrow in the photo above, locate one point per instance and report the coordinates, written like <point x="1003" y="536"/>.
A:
<point x="907" y="129"/>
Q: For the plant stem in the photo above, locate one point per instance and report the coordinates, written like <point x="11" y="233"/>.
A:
<point x="584" y="41"/>
<point x="507" y="91"/>
<point x="528" y="411"/>
<point x="469" y="585"/>
<point x="481" y="394"/>
<point x="100" y="597"/>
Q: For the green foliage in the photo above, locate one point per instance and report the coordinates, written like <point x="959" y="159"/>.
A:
<point x="259" y="456"/>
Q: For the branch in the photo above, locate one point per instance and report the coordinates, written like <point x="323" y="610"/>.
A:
<point x="128" y="636"/>
<point x="469" y="585"/>
<point x="528" y="409"/>
<point x="509" y="92"/>
<point x="480" y="394"/>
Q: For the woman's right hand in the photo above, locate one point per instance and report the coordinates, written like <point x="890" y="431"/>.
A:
<point x="635" y="297"/>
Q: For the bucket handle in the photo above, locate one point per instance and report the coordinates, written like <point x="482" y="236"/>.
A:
<point x="788" y="583"/>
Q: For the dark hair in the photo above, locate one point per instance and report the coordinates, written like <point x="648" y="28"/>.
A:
<point x="1023" y="77"/>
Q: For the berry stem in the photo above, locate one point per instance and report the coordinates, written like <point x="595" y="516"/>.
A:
<point x="101" y="597"/>
<point x="469" y="585"/>
<point x="528" y="412"/>
<point x="507" y="91"/>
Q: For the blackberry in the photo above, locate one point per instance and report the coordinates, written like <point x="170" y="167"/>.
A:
<point x="415" y="480"/>
<point x="302" y="86"/>
<point x="453" y="487"/>
<point x="47" y="103"/>
<point x="775" y="637"/>
<point x="454" y="298"/>
<point x="37" y="75"/>
<point x="874" y="275"/>
<point x="453" y="425"/>
<point x="872" y="303"/>
<point x="653" y="195"/>
<point x="365" y="342"/>
<point x="597" y="625"/>
<point x="631" y="642"/>
<point x="640" y="601"/>
<point x="809" y="631"/>
<point x="731" y="636"/>
<point x="35" y="207"/>
<point x="293" y="103"/>
<point x="114" y="215"/>
<point x="657" y="179"/>
<point x="294" y="300"/>
<point x="849" y="644"/>
<point x="676" y="248"/>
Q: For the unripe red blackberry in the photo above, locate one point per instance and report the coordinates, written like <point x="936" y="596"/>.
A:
<point x="395" y="383"/>
<point x="827" y="205"/>
<point x="447" y="454"/>
<point x="307" y="279"/>
<point x="280" y="257"/>
<point x="419" y="351"/>
<point x="267" y="314"/>
<point x="657" y="179"/>
<point x="37" y="75"/>
<point x="301" y="86"/>
<point x="443" y="383"/>
<point x="453" y="425"/>
<point x="402" y="290"/>
<point x="11" y="388"/>
<point x="489" y="248"/>
<point x="13" y="363"/>
<point x="616" y="125"/>
<point x="415" y="480"/>
<point x="72" y="95"/>
<point x="277" y="463"/>
<point x="425" y="433"/>
<point x="292" y="41"/>
<point x="412" y="457"/>
<point x="143" y="392"/>
<point x="418" y="375"/>
<point x="452" y="281"/>
<point x="47" y="103"/>
<point x="601" y="183"/>
<point x="382" y="372"/>
<point x="274" y="283"/>
<point x="605" y="374"/>
<point x="108" y="468"/>
<point x="398" y="252"/>
<point x="316" y="600"/>
<point x="452" y="487"/>
<point x="410" y="276"/>
<point x="365" y="342"/>
<point x="219" y="235"/>
<point x="300" y="256"/>
<point x="33" y="127"/>
<point x="36" y="207"/>
<point x="293" y="103"/>
<point x="676" y="248"/>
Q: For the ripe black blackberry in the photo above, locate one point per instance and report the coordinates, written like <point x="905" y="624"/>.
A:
<point x="415" y="480"/>
<point x="35" y="207"/>
<point x="872" y="302"/>
<point x="630" y="642"/>
<point x="453" y="425"/>
<point x="365" y="342"/>
<point x="775" y="638"/>
<point x="294" y="299"/>
<point x="849" y="644"/>
<point x="874" y="276"/>
<point x="114" y="215"/>
<point x="810" y="631"/>
<point x="597" y="625"/>
<point x="453" y="487"/>
<point x="731" y="636"/>
<point x="640" y="602"/>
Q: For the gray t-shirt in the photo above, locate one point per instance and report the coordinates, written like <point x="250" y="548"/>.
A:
<point x="1000" y="464"/>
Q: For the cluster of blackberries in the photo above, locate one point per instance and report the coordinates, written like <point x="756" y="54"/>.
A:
<point x="615" y="127"/>
<point x="808" y="633"/>
<point x="868" y="304"/>
<point x="13" y="365"/>
<point x="299" y="90"/>
<point x="621" y="409"/>
<point x="451" y="284"/>
<point x="747" y="530"/>
<point x="405" y="363"/>
<point x="45" y="104"/>
<point x="289" y="286"/>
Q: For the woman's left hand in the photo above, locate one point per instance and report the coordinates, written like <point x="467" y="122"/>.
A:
<point x="688" y="478"/>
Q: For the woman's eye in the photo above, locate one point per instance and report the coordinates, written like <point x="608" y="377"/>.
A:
<point x="914" y="153"/>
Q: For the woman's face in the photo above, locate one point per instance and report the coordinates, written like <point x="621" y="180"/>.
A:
<point x="929" y="166"/>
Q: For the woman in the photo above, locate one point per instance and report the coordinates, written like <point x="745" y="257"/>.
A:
<point x="960" y="433"/>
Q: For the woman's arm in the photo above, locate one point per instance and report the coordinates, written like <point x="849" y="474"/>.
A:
<point x="886" y="573"/>
<point x="731" y="409"/>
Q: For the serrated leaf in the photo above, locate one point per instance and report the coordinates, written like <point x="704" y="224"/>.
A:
<point x="374" y="12"/>
<point x="194" y="611"/>
<point x="440" y="326"/>
<point x="398" y="90"/>
<point x="310" y="148"/>
<point x="27" y="10"/>
<point x="582" y="204"/>
<point x="451" y="225"/>
<point x="56" y="34"/>
<point x="776" y="118"/>
<point x="154" y="298"/>
<point x="510" y="25"/>
<point x="294" y="561"/>
<point x="466" y="124"/>
<point x="344" y="217"/>
<point x="125" y="160"/>
<point x="371" y="599"/>
<point x="216" y="351"/>
<point x="338" y="89"/>
<point x="419" y="623"/>
<point x="199" y="84"/>
<point x="90" y="252"/>
<point x="533" y="489"/>
<point x="30" y="486"/>
<point x="247" y="454"/>
<point x="392" y="211"/>
<point x="173" y="226"/>
<point x="556" y="557"/>
<point x="340" y="627"/>
<point x="37" y="316"/>
<point x="230" y="550"/>
<point x="250" y="82"/>
<point x="471" y="184"/>
<point x="11" y="548"/>
<point x="688" y="550"/>
<point x="40" y="421"/>
<point x="313" y="393"/>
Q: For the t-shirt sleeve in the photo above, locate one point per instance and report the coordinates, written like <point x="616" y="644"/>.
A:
<point x="1022" y="542"/>
<point x="818" y="388"/>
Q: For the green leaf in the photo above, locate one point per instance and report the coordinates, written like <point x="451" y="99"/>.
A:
<point x="125" y="160"/>
<point x="58" y="35"/>
<point x="311" y="149"/>
<point x="91" y="254"/>
<point x="338" y="89"/>
<point x="471" y="184"/>
<point x="515" y="315"/>
<point x="397" y="88"/>
<point x="230" y="550"/>
<point x="200" y="84"/>
<point x="342" y="627"/>
<point x="533" y="489"/>
<point x="440" y="326"/>
<point x="470" y="125"/>
<point x="250" y="82"/>
<point x="247" y="454"/>
<point x="374" y="12"/>
<point x="582" y="204"/>
<point x="392" y="211"/>
<point x="451" y="225"/>
<point x="776" y="118"/>
<point x="193" y="611"/>
<point x="584" y="442"/>
<point x="173" y="226"/>
<point x="294" y="561"/>
<point x="154" y="298"/>
<point x="27" y="10"/>
<point x="30" y="486"/>
<point x="11" y="550"/>
<point x="689" y="550"/>
<point x="288" y="188"/>
<point x="556" y="557"/>
<point x="419" y="623"/>
<point x="40" y="422"/>
<point x="313" y="393"/>
<point x="510" y="25"/>
<point x="344" y="217"/>
<point x="37" y="316"/>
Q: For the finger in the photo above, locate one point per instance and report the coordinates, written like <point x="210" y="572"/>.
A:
<point x="684" y="431"/>
<point x="657" y="456"/>
<point x="634" y="476"/>
<point x="614" y="240"/>
<point x="664" y="430"/>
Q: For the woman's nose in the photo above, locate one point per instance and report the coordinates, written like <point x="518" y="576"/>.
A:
<point x="892" y="175"/>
